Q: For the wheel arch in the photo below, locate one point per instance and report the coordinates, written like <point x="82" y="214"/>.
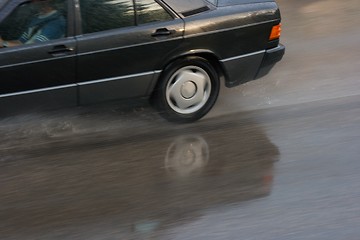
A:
<point x="208" y="55"/>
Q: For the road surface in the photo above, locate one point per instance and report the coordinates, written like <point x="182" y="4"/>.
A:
<point x="276" y="159"/>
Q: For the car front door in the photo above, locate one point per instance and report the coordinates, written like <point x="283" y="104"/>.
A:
<point x="121" y="47"/>
<point x="37" y="69"/>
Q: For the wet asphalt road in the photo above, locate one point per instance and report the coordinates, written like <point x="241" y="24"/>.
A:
<point x="277" y="158"/>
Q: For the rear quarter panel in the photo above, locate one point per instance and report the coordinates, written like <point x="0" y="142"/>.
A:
<point x="233" y="30"/>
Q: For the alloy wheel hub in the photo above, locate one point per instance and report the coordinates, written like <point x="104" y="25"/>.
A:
<point x="188" y="89"/>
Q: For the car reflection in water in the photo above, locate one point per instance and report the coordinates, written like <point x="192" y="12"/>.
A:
<point x="138" y="188"/>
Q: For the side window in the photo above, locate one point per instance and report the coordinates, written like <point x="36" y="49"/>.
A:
<point x="150" y="11"/>
<point x="101" y="15"/>
<point x="34" y="22"/>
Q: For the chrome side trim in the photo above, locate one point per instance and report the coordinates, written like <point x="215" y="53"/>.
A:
<point x="119" y="78"/>
<point x="37" y="90"/>
<point x="242" y="56"/>
<point x="79" y="84"/>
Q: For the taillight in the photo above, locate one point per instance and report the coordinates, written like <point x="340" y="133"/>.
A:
<point x="275" y="32"/>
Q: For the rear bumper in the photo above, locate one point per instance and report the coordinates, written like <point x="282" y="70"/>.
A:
<point x="244" y="68"/>
<point x="271" y="57"/>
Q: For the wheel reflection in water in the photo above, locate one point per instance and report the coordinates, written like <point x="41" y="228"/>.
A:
<point x="187" y="156"/>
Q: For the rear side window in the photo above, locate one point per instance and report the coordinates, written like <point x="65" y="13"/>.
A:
<point x="102" y="15"/>
<point x="150" y="11"/>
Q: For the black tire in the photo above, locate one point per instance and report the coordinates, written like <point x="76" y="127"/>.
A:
<point x="187" y="90"/>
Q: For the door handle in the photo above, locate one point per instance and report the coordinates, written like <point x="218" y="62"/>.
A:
<point x="163" y="32"/>
<point x="60" y="50"/>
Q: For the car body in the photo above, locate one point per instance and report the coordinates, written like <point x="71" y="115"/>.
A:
<point x="173" y="52"/>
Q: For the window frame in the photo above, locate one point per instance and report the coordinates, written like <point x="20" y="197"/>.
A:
<point x="161" y="4"/>
<point x="78" y="20"/>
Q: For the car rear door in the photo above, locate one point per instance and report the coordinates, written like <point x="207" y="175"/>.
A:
<point x="122" y="46"/>
<point x="37" y="74"/>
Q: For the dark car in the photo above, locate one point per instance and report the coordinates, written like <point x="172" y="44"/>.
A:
<point x="57" y="53"/>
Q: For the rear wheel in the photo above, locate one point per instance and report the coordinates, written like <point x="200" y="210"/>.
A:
<point x="187" y="90"/>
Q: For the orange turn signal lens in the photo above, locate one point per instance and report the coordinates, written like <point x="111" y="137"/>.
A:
<point x="275" y="32"/>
